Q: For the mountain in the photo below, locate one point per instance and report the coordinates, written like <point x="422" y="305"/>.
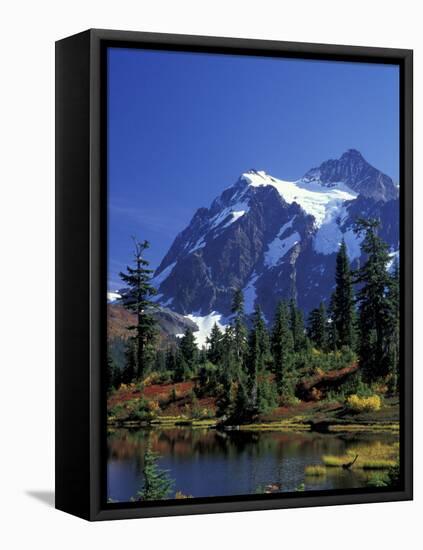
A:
<point x="275" y="238"/>
<point x="169" y="323"/>
<point x="353" y="170"/>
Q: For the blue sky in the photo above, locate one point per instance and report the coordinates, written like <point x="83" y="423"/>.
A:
<point x="183" y="126"/>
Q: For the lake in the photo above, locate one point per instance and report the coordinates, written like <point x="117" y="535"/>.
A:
<point x="207" y="462"/>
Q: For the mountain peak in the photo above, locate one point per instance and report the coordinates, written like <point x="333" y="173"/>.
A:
<point x="353" y="170"/>
<point x="352" y="154"/>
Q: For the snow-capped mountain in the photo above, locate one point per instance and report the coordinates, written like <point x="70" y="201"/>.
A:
<point x="275" y="238"/>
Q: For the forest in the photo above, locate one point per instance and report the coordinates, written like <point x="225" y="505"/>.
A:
<point x="346" y="351"/>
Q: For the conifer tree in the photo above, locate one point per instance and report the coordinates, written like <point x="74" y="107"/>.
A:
<point x="181" y="371"/>
<point x="240" y="332"/>
<point x="188" y="349"/>
<point x="393" y="328"/>
<point x="114" y="375"/>
<point x="343" y="309"/>
<point x="318" y="327"/>
<point x="160" y="361"/>
<point x="297" y="327"/>
<point x="282" y="348"/>
<point x="376" y="306"/>
<point x="331" y="328"/>
<point x="258" y="347"/>
<point x="130" y="368"/>
<point x="138" y="300"/>
<point x="157" y="483"/>
<point x="170" y="359"/>
<point x="242" y="405"/>
<point x="214" y="352"/>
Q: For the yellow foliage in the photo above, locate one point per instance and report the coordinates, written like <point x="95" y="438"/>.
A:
<point x="364" y="404"/>
<point x="152" y="378"/>
<point x="153" y="406"/>
<point x="315" y="470"/>
<point x="369" y="457"/>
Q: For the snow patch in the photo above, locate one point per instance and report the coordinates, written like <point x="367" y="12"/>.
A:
<point x="329" y="235"/>
<point x="234" y="212"/>
<point x="205" y="324"/>
<point x="113" y="296"/>
<point x="353" y="242"/>
<point x="157" y="281"/>
<point x="199" y="244"/>
<point x="250" y="294"/>
<point x="313" y="198"/>
<point x="279" y="247"/>
<point x="394" y="257"/>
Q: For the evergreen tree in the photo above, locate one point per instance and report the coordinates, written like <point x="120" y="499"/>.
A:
<point x="157" y="484"/>
<point x="343" y="311"/>
<point x="267" y="397"/>
<point x="258" y="347"/>
<point x="241" y="407"/>
<point x="239" y="329"/>
<point x="214" y="352"/>
<point x="129" y="370"/>
<point x="318" y="327"/>
<point x="170" y="359"/>
<point x="188" y="349"/>
<point x="392" y="328"/>
<point x="282" y="348"/>
<point x="332" y="335"/>
<point x="224" y="401"/>
<point x="138" y="300"/>
<point x="181" y="371"/>
<point x="160" y="361"/>
<point x="114" y="376"/>
<point x="376" y="304"/>
<point x="297" y="327"/>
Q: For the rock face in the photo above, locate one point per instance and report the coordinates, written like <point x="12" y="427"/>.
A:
<point x="353" y="170"/>
<point x="169" y="323"/>
<point x="276" y="239"/>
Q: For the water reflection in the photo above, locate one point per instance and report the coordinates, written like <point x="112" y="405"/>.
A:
<point x="212" y="463"/>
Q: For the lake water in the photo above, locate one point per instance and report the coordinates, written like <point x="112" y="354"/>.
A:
<point x="206" y="463"/>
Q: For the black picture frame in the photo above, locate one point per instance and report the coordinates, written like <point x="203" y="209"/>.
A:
<point x="81" y="254"/>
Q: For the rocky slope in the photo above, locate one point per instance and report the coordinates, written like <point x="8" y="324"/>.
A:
<point x="276" y="239"/>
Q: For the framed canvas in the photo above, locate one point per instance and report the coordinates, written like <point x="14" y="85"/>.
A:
<point x="233" y="274"/>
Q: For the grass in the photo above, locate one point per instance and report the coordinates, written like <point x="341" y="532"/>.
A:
<point x="333" y="461"/>
<point x="382" y="427"/>
<point x="316" y="470"/>
<point x="378" y="456"/>
<point x="285" y="425"/>
<point x="374" y="464"/>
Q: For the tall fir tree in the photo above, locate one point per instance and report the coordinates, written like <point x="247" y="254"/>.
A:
<point x="258" y="348"/>
<point x="342" y="307"/>
<point x="376" y="306"/>
<point x="137" y="299"/>
<point x="282" y="349"/>
<point x="130" y="368"/>
<point x="188" y="349"/>
<point x="318" y="327"/>
<point x="215" y="349"/>
<point x="114" y="375"/>
<point x="331" y="332"/>
<point x="181" y="371"/>
<point x="170" y="359"/>
<point x="240" y="333"/>
<point x="160" y="361"/>
<point x="156" y="481"/>
<point x="297" y="327"/>
<point x="392" y="328"/>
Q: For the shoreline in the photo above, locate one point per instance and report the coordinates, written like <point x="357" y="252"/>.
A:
<point x="327" y="426"/>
